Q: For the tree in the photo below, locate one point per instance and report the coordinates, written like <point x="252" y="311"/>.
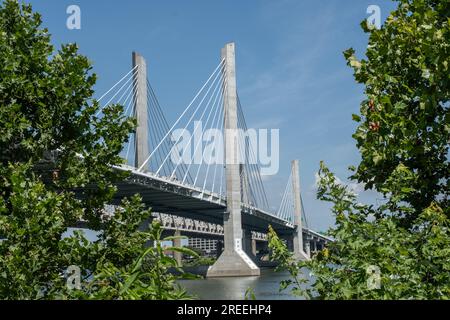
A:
<point x="56" y="159"/>
<point x="400" y="249"/>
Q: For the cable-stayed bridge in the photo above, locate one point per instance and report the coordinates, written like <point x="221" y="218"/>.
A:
<point x="204" y="171"/>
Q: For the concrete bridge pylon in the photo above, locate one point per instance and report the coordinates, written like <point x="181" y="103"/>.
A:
<point x="233" y="261"/>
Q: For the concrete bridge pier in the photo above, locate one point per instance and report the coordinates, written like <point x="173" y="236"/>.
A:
<point x="299" y="251"/>
<point x="289" y="241"/>
<point x="219" y="248"/>
<point x="233" y="261"/>
<point x="249" y="245"/>
<point x="308" y="248"/>
<point x="178" y="256"/>
<point x="254" y="251"/>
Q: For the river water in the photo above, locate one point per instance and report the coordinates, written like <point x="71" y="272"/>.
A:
<point x="265" y="287"/>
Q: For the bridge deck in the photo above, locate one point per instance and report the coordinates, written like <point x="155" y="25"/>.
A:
<point x="171" y="196"/>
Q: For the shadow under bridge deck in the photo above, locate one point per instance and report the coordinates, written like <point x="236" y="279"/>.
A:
<point x="173" y="197"/>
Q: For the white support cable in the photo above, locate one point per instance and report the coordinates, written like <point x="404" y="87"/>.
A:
<point x="210" y="156"/>
<point x="117" y="83"/>
<point x="289" y="202"/>
<point x="102" y="108"/>
<point x="198" y="142"/>
<point x="216" y="107"/>
<point x="284" y="208"/>
<point x="126" y="115"/>
<point x="157" y="121"/>
<point x="201" y="117"/>
<point x="120" y="89"/>
<point x="256" y="172"/>
<point x="195" y="112"/>
<point x="255" y="167"/>
<point x="283" y="198"/>
<point x="284" y="201"/>
<point x="128" y="105"/>
<point x="152" y="132"/>
<point x="162" y="123"/>
<point x="127" y="91"/>
<point x="242" y="146"/>
<point x="252" y="171"/>
<point x="287" y="212"/>
<point x="128" y="98"/>
<point x="189" y="121"/>
<point x="221" y="129"/>
<point x="184" y="112"/>
<point x="157" y="125"/>
<point x="152" y="114"/>
<point x="133" y="111"/>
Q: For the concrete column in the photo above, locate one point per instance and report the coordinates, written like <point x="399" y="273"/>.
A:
<point x="308" y="248"/>
<point x="288" y="239"/>
<point x="140" y="101"/>
<point x="219" y="248"/>
<point x="299" y="253"/>
<point x="177" y="243"/>
<point x="244" y="193"/>
<point x="249" y="245"/>
<point x="233" y="261"/>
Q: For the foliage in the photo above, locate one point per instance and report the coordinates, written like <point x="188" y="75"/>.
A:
<point x="200" y="261"/>
<point x="280" y="253"/>
<point x="56" y="169"/>
<point x="405" y="120"/>
<point x="413" y="263"/>
<point x="147" y="278"/>
<point x="249" y="294"/>
<point x="403" y="138"/>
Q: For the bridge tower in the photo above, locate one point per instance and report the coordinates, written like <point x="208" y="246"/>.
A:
<point x="233" y="261"/>
<point x="299" y="253"/>
<point x="140" y="103"/>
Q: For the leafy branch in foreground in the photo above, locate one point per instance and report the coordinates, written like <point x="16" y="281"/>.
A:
<point x="47" y="105"/>
<point x="412" y="263"/>
<point x="403" y="137"/>
<point x="150" y="277"/>
<point x="280" y="253"/>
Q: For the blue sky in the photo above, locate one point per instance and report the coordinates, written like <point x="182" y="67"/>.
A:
<point x="290" y="68"/>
